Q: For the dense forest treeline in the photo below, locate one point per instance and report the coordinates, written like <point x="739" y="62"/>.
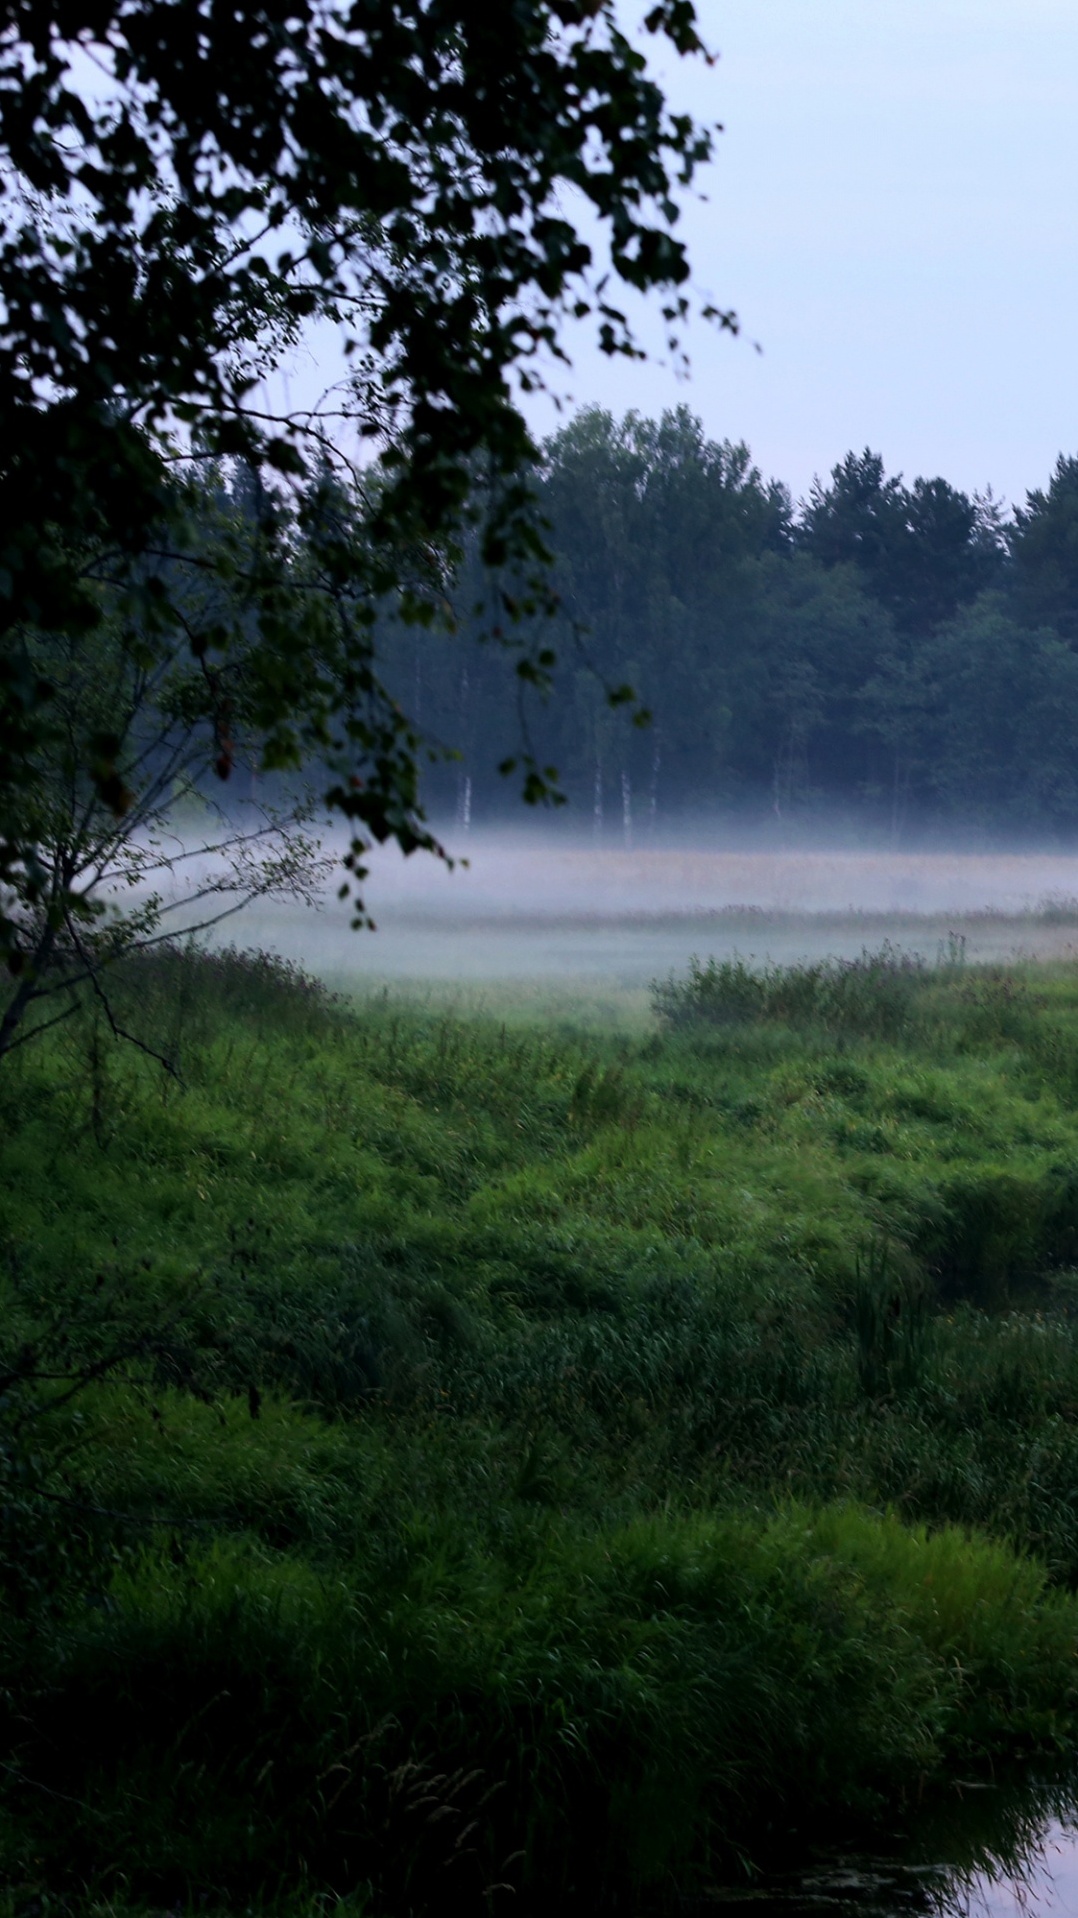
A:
<point x="906" y="651"/>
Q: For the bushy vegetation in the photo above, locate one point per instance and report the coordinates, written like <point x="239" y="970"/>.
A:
<point x="873" y="995"/>
<point x="443" y="1462"/>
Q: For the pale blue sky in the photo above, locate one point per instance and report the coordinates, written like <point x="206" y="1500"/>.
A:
<point x="894" y="214"/>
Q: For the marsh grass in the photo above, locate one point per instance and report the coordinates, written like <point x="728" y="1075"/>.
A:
<point x="873" y="995"/>
<point x="890" y="1311"/>
<point x="505" y="1457"/>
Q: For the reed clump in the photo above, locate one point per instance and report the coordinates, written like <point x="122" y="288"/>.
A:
<point x="875" y="994"/>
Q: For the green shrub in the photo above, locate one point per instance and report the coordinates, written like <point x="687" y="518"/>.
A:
<point x="874" y="994"/>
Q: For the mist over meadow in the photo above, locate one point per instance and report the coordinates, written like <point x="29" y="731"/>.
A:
<point x="556" y="906"/>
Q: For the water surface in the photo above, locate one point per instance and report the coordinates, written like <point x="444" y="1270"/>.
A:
<point x="984" y="1852"/>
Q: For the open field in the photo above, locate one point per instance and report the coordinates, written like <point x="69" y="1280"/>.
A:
<point x="580" y="923"/>
<point x="626" y="1446"/>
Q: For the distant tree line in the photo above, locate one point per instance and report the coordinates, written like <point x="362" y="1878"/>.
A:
<point x="905" y="650"/>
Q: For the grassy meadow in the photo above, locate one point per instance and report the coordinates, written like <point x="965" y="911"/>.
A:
<point x="454" y="1460"/>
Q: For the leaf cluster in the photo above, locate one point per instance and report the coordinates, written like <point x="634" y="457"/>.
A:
<point x="184" y="191"/>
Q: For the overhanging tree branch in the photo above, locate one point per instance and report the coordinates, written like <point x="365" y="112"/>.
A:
<point x="169" y="230"/>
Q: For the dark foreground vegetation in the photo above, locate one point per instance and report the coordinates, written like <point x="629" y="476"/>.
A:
<point x="445" y="1466"/>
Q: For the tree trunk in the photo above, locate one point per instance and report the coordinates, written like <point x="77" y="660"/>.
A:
<point x="26" y="992"/>
<point x="653" y="796"/>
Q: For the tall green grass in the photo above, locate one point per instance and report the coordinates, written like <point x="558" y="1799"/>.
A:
<point x="438" y="1455"/>
<point x="874" y="994"/>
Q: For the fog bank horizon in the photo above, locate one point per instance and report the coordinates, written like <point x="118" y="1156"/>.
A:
<point x="525" y="907"/>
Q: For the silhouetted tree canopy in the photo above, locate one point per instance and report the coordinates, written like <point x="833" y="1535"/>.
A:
<point x="184" y="190"/>
<point x="900" y="650"/>
<point x="1044" y="547"/>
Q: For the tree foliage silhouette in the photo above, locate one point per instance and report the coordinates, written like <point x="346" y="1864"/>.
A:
<point x="183" y="191"/>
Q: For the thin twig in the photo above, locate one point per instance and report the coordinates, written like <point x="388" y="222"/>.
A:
<point x="118" y="1031"/>
<point x="36" y="1031"/>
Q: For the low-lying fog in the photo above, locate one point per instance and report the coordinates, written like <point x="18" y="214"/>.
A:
<point x="524" y="908"/>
